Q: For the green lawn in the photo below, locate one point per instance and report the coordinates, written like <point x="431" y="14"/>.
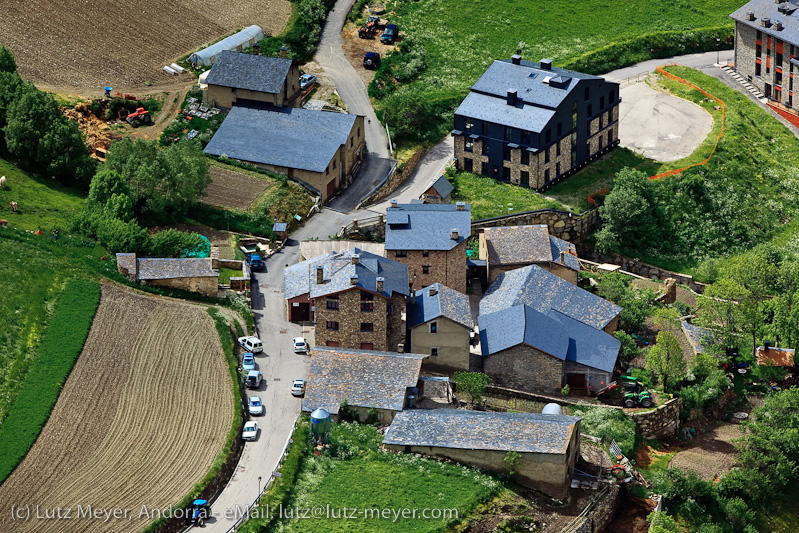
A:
<point x="226" y="273"/>
<point x="42" y="203"/>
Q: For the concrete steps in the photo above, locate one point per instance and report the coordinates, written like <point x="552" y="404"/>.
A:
<point x="746" y="85"/>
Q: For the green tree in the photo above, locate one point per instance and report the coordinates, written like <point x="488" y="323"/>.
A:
<point x="118" y="236"/>
<point x="7" y="62"/>
<point x="405" y="112"/>
<point x="472" y="383"/>
<point x="106" y="183"/>
<point x="660" y="522"/>
<point x="629" y="213"/>
<point x="719" y="310"/>
<point x="173" y="243"/>
<point x="666" y="359"/>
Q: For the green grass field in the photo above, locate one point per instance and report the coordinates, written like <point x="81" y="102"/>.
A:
<point x="491" y="198"/>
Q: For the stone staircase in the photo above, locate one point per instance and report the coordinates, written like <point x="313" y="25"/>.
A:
<point x="743" y="81"/>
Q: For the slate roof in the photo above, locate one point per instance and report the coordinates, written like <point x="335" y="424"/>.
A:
<point x="166" y="268"/>
<point x="552" y="332"/>
<point x="338" y="270"/>
<point x="280" y="227"/>
<point x="246" y="71"/>
<point x="482" y="430"/>
<point x="772" y="10"/>
<point x="695" y="335"/>
<point x="127" y="261"/>
<point x="365" y="378"/>
<point x="442" y="186"/>
<point x="446" y="302"/>
<point x="542" y="290"/>
<point x="282" y="136"/>
<point x="521" y="245"/>
<point x="492" y="109"/>
<point x="426" y="226"/>
<point x="778" y="356"/>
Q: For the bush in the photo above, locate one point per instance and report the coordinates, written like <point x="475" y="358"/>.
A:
<point x="609" y="424"/>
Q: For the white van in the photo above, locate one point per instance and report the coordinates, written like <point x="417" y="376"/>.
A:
<point x="251" y="344"/>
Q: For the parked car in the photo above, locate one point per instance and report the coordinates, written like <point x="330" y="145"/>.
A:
<point x="307" y="81"/>
<point x="255" y="406"/>
<point x="389" y="35"/>
<point x="251" y="344"/>
<point x="248" y="362"/>
<point x="371" y="60"/>
<point x="298" y="387"/>
<point x="255" y="262"/>
<point x="253" y="379"/>
<point x="300" y="345"/>
<point x="250" y="431"/>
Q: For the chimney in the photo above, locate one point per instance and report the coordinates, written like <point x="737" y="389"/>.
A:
<point x="256" y="48"/>
<point x="546" y="64"/>
<point x="765" y="22"/>
<point x="380" y="284"/>
<point x="750" y="15"/>
<point x="562" y="257"/>
<point x="284" y="51"/>
<point x="401" y="347"/>
<point x="413" y="297"/>
<point x="460" y="206"/>
<point x="454" y="234"/>
<point x="354" y="280"/>
<point x="320" y="275"/>
<point x="778" y="25"/>
<point x="433" y="291"/>
<point x="766" y="345"/>
<point x="512" y="96"/>
<point x="394" y="203"/>
<point x="356" y="259"/>
<point x="516" y="59"/>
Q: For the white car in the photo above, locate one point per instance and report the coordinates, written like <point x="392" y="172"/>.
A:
<point x="248" y="362"/>
<point x="255" y="406"/>
<point x="250" y="431"/>
<point x="300" y="345"/>
<point x="251" y="344"/>
<point x="298" y="387"/>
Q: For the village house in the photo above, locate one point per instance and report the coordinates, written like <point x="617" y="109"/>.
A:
<point x="189" y="274"/>
<point x="533" y="124"/>
<point x="439" y="323"/>
<point x="767" y="47"/>
<point x="365" y="379"/>
<point x="238" y="78"/>
<point x="548" y="445"/>
<point x="320" y="149"/>
<point x="508" y="248"/>
<point x="356" y="299"/>
<point x="431" y="240"/>
<point x="439" y="192"/>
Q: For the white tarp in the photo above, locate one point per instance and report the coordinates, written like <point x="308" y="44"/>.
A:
<point x="241" y="40"/>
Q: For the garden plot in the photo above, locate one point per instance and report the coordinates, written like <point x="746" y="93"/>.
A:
<point x="139" y="422"/>
<point x="234" y="190"/>
<point x="712" y="453"/>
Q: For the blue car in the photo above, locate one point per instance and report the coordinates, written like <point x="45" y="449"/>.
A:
<point x="389" y="35"/>
<point x="248" y="362"/>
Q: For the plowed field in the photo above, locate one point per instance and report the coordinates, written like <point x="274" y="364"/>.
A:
<point x="93" y="43"/>
<point x="234" y="189"/>
<point x="140" y="420"/>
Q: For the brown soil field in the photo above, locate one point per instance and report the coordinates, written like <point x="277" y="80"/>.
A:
<point x="91" y="44"/>
<point x="234" y="189"/>
<point x="138" y="423"/>
<point x="712" y="453"/>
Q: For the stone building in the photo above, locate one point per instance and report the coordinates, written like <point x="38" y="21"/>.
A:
<point x="532" y="124"/>
<point x="439" y="323"/>
<point x="320" y="149"/>
<point x="508" y="248"/>
<point x="528" y="350"/>
<point x="548" y="445"/>
<point x="357" y="299"/>
<point x="439" y="192"/>
<point x="431" y="240"/>
<point x="188" y="274"/>
<point x="767" y="47"/>
<point x="366" y="379"/>
<point x="238" y="78"/>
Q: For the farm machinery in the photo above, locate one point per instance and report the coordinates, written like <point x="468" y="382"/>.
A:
<point x="632" y="392"/>
<point x="367" y="31"/>
<point x="200" y="511"/>
<point x="140" y="116"/>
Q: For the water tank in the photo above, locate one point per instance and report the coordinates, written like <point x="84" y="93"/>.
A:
<point x="320" y="425"/>
<point x="551" y="409"/>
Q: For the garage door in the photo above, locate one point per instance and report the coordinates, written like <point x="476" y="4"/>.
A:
<point x="331" y="187"/>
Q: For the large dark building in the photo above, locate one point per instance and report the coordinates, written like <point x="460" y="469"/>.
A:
<point x="533" y="124"/>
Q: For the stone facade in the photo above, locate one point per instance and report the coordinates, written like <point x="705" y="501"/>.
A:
<point x="226" y="97"/>
<point x="660" y="423"/>
<point x="562" y="224"/>
<point x="447" y="267"/>
<point x="387" y="329"/>
<point x="525" y="368"/>
<point x="451" y="341"/>
<point x="773" y="79"/>
<point x="208" y="286"/>
<point x="581" y="378"/>
<point x="560" y="271"/>
<point x="601" y="512"/>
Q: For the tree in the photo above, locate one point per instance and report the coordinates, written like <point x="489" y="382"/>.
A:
<point x="719" y="311"/>
<point x="666" y="359"/>
<point x="472" y="383"/>
<point x="7" y="62"/>
<point x="628" y="215"/>
<point x="405" y="111"/>
<point x="173" y="243"/>
<point x="105" y="183"/>
<point x="118" y="236"/>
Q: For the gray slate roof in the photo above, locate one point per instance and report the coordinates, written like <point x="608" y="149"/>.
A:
<point x="770" y="9"/>
<point x="542" y="290"/>
<point x="282" y="136"/>
<point x="553" y="332"/>
<point x="245" y="71"/>
<point x="696" y="335"/>
<point x="280" y="227"/>
<point x="520" y="245"/>
<point x="365" y="378"/>
<point x="482" y="430"/>
<point x="426" y="226"/>
<point x="165" y="268"/>
<point x="492" y="109"/>
<point x="442" y="186"/>
<point x="339" y="270"/>
<point x="446" y="302"/>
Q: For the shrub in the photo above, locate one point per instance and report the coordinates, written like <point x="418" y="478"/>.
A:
<point x="472" y="383"/>
<point x="609" y="424"/>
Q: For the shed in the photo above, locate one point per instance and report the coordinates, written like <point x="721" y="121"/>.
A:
<point x="236" y="42"/>
<point x="281" y="230"/>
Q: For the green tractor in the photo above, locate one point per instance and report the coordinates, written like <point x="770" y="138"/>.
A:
<point x="634" y="393"/>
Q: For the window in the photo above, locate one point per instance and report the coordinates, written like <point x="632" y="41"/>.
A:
<point x="548" y="136"/>
<point x="612" y="97"/>
<point x="574" y="158"/>
<point x="468" y="165"/>
<point x="401" y="253"/>
<point x="484" y="168"/>
<point x="557" y="169"/>
<point x="469" y="124"/>
<point x="434" y="352"/>
<point x="587" y="93"/>
<point x="590" y="110"/>
<point x="758" y="50"/>
<point x="367" y="346"/>
<point x="359" y="133"/>
<point x="367" y="326"/>
<point x="327" y="170"/>
<point x="759" y="35"/>
<point x="778" y="60"/>
<point x="601" y="102"/>
<point x="486" y="128"/>
<point x="332" y="305"/>
<point x="334" y="164"/>
<point x="433" y="327"/>
<point x="506" y="173"/>
<point x="546" y="175"/>
<point x="332" y="325"/>
<point x="778" y="78"/>
<point x="526" y="138"/>
<point x="560" y="129"/>
<point x="425" y="269"/>
<point x="367" y="307"/>
<point x="525" y="177"/>
<point x="367" y="296"/>
<point x="557" y="149"/>
<point x="468" y="145"/>
<point x="425" y="253"/>
<point x="352" y="141"/>
<point x="546" y="156"/>
<point x="505" y="153"/>
<point x="525" y="157"/>
<point x="486" y="146"/>
<point x="757" y="69"/>
<point x="508" y="134"/>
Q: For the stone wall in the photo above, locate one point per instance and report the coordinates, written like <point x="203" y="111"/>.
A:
<point x="562" y="224"/>
<point x="525" y="368"/>
<point x="208" y="286"/>
<point x="659" y="423"/>
<point x="602" y="512"/>
<point x="350" y="317"/>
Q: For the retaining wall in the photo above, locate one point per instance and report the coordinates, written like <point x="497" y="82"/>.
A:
<point x="602" y="513"/>
<point x="659" y="423"/>
<point x="562" y="224"/>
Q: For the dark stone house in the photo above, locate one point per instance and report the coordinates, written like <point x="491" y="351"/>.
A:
<point x="533" y="124"/>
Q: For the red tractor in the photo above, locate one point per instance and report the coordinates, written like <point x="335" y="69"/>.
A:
<point x="140" y="116"/>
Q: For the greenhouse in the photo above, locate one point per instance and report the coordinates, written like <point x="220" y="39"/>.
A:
<point x="237" y="42"/>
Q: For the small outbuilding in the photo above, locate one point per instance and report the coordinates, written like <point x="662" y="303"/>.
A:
<point x="241" y="78"/>
<point x="237" y="42"/>
<point x="782" y="357"/>
<point x="439" y="191"/>
<point x="189" y="274"/>
<point x="548" y="445"/>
